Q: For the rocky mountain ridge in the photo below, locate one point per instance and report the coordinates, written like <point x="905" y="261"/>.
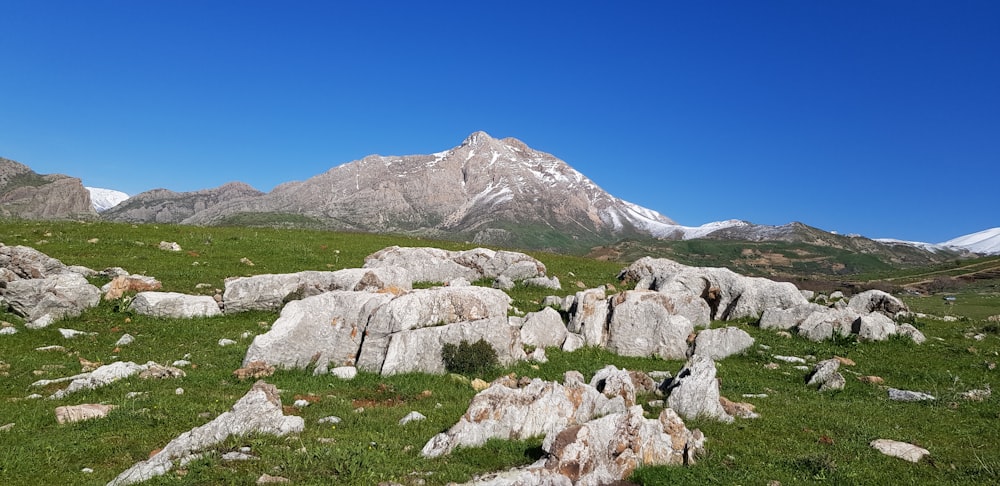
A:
<point x="26" y="194"/>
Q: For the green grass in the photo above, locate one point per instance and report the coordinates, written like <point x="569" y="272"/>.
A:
<point x="802" y="437"/>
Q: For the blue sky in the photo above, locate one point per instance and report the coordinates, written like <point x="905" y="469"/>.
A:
<point x="879" y="118"/>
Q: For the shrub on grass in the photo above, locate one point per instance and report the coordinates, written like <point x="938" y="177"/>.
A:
<point x="466" y="359"/>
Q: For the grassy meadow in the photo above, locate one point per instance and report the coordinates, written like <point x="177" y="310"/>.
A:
<point x="802" y="436"/>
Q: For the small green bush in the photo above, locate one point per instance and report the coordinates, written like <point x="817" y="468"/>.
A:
<point x="468" y="359"/>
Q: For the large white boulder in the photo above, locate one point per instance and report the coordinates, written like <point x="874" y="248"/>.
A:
<point x="45" y="300"/>
<point x="272" y="291"/>
<point x="174" y="305"/>
<point x="722" y="343"/>
<point x="642" y="324"/>
<point x="437" y="265"/>
<point x="589" y="316"/>
<point x="543" y="329"/>
<point x="694" y="392"/>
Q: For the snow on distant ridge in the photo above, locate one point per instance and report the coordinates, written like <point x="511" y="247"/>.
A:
<point x="985" y="242"/>
<point x="931" y="247"/>
<point x="104" y="199"/>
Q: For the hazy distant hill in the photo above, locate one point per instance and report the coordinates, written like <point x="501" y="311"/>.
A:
<point x="26" y="194"/>
<point x="165" y="206"/>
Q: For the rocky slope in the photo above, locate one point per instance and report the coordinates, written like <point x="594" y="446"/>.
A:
<point x="165" y="206"/>
<point x="26" y="194"/>
<point x="485" y="190"/>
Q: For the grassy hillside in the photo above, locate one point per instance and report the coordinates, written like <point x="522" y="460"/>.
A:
<point x="802" y="436"/>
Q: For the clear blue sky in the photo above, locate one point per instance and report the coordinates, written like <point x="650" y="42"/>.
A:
<point x="874" y="117"/>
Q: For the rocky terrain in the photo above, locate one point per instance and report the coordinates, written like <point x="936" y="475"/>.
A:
<point x="28" y="195"/>
<point x="373" y="319"/>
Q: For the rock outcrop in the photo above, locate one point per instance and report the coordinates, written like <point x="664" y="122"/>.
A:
<point x="272" y="291"/>
<point x="174" y="305"/>
<point x="436" y="265"/>
<point x="25" y="194"/>
<point x="258" y="412"/>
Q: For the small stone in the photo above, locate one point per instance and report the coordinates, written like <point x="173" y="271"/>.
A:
<point x="237" y="456"/>
<point x="7" y="331"/>
<point x="300" y="403"/>
<point x="330" y="420"/>
<point x="875" y="380"/>
<point x="181" y="363"/>
<point x="845" y="361"/>
<point x="6" y="427"/>
<point x="246" y="261"/>
<point x="345" y="372"/>
<point x="125" y="340"/>
<point x="268" y="479"/>
<point x="790" y="359"/>
<point x="72" y="333"/>
<point x="977" y="395"/>
<point x="412" y="417"/>
<point x="51" y="348"/>
<point x="77" y="413"/>
<point x="226" y="342"/>
<point x="179" y="391"/>
<point x="479" y="384"/>
<point x="908" y="396"/>
<point x="772" y="366"/>
<point x="87" y="470"/>
<point x="902" y="450"/>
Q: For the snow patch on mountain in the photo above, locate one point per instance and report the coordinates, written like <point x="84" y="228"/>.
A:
<point x="104" y="199"/>
<point x="986" y="242"/>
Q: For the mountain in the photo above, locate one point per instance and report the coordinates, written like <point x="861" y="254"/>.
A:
<point x="104" y="199"/>
<point x="484" y="190"/>
<point x="986" y="242"/>
<point x="26" y="194"/>
<point x="165" y="206"/>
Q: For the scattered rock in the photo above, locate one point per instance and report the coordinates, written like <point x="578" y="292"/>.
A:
<point x="170" y="246"/>
<point x="721" y="343"/>
<point x="902" y="450"/>
<point x="7" y="331"/>
<point x="912" y="332"/>
<point x="641" y="323"/>
<point x="125" y="340"/>
<point x="246" y="261"/>
<point x="77" y="413"/>
<point x="121" y="284"/>
<point x="72" y="333"/>
<point x="977" y="395"/>
<point x="908" y="396"/>
<point x="329" y="420"/>
<point x="7" y="427"/>
<point x="503" y="282"/>
<point x="345" y="372"/>
<point x="160" y="372"/>
<point x="412" y="417"/>
<point x="268" y="479"/>
<point x="258" y="412"/>
<point x="174" y="305"/>
<point x="238" y="456"/>
<point x="543" y="329"/>
<point x="790" y="359"/>
<point x="226" y="342"/>
<point x="101" y="376"/>
<point x="479" y="384"/>
<point x="875" y="380"/>
<point x="738" y="409"/>
<point x="694" y="392"/>
<point x="55" y="348"/>
<point x="437" y="265"/>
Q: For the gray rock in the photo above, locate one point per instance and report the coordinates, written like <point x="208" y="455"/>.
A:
<point x="642" y="324"/>
<point x="543" y="282"/>
<point x="41" y="301"/>
<point x="874" y="327"/>
<point x="823" y="372"/>
<point x="503" y="282"/>
<point x="790" y="318"/>
<point x="589" y="316"/>
<point x="537" y="409"/>
<point x="573" y="342"/>
<point x="437" y="265"/>
<point x="412" y="417"/>
<point x="101" y="376"/>
<point x="24" y="262"/>
<point x="273" y="291"/>
<point x="125" y="340"/>
<point x="694" y="392"/>
<point x="317" y="331"/>
<point x="258" y="412"/>
<point x="613" y="382"/>
<point x="820" y="326"/>
<point x="877" y="301"/>
<point x="835" y="382"/>
<point x="420" y="349"/>
<point x="345" y="372"/>
<point x="76" y="413"/>
<point x="722" y="343"/>
<point x="902" y="450"/>
<point x="174" y="305"/>
<point x="908" y="396"/>
<point x="912" y="332"/>
<point x="543" y="329"/>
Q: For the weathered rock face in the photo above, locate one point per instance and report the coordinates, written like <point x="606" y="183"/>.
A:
<point x="902" y="450"/>
<point x="320" y="330"/>
<point x="785" y="319"/>
<point x="823" y="325"/>
<point x="272" y="291"/>
<point x="122" y="284"/>
<point x="41" y="301"/>
<point x="729" y="295"/>
<point x="589" y="316"/>
<point x="26" y="263"/>
<point x="505" y="411"/>
<point x="174" y="305"/>
<point x="543" y="329"/>
<point x="258" y="412"/>
<point x="722" y="343"/>
<point x="694" y="392"/>
<point x="877" y="301"/>
<point x="642" y="323"/>
<point x="437" y="265"/>
<point x="25" y="194"/>
<point x="87" y="411"/>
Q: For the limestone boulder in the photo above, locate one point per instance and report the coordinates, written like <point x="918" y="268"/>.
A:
<point x="437" y="265"/>
<point x="642" y="323"/>
<point x="728" y="294"/>
<point x="420" y="349"/>
<point x="694" y="392"/>
<point x="433" y="308"/>
<point x="722" y="342"/>
<point x="877" y="301"/>
<point x="511" y="412"/>
<point x="258" y="412"/>
<point x="790" y="318"/>
<point x="87" y="411"/>
<point x="901" y="450"/>
<point x="272" y="291"/>
<point x="543" y="329"/>
<point x="41" y="301"/>
<point x="322" y="330"/>
<point x="911" y="332"/>
<point x="824" y="324"/>
<point x="123" y="284"/>
<point x="874" y="327"/>
<point x="174" y="305"/>
<point x="28" y="263"/>
<point x="589" y="316"/>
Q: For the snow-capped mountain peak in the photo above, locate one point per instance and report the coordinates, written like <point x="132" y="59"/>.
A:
<point x="104" y="199"/>
<point x="985" y="242"/>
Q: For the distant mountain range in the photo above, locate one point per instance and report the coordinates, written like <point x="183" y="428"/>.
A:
<point x="485" y="190"/>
